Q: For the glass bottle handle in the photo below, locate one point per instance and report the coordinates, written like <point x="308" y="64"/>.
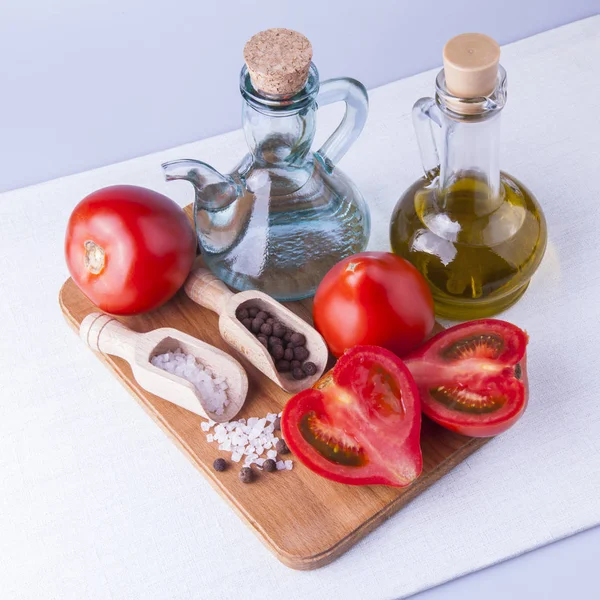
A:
<point x="354" y="94"/>
<point x="426" y="115"/>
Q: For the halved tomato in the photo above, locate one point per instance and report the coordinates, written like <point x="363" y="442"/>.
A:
<point x="360" y="423"/>
<point x="472" y="378"/>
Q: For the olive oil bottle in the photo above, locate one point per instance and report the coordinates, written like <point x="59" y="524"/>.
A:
<point x="475" y="233"/>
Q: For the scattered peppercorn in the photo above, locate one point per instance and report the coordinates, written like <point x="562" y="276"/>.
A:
<point x="277" y="424"/>
<point x="220" y="464"/>
<point x="246" y="475"/>
<point x="281" y="447"/>
<point x="269" y="465"/>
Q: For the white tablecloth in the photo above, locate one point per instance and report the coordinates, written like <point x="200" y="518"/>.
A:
<point x="96" y="502"/>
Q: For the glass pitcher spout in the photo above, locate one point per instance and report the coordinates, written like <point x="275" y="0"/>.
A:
<point x="213" y="190"/>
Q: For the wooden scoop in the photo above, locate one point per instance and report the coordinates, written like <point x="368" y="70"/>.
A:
<point x="103" y="333"/>
<point x="209" y="291"/>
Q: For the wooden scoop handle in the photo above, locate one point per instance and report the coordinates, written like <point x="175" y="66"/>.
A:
<point x="103" y="333"/>
<point x="207" y="290"/>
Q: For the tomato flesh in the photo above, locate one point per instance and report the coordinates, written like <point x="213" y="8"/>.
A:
<point x="361" y="423"/>
<point x="472" y="378"/>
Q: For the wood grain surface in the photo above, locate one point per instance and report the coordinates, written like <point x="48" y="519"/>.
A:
<point x="316" y="520"/>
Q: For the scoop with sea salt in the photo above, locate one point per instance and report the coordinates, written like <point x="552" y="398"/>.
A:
<point x="199" y="378"/>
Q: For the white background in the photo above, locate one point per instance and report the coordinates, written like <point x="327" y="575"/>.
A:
<point x="85" y="83"/>
<point x="89" y="83"/>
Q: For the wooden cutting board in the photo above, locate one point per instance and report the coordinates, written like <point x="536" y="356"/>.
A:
<point x="315" y="520"/>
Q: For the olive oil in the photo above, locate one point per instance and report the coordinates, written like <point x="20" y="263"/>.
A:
<point x="477" y="251"/>
<point x="475" y="233"/>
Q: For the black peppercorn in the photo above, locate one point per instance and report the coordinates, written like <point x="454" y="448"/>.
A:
<point x="247" y="322"/>
<point x="281" y="447"/>
<point x="288" y="336"/>
<point x="266" y="328"/>
<point x="298" y="373"/>
<point x="262" y="315"/>
<point x="295" y="364"/>
<point x="288" y="354"/>
<point x="298" y="339"/>
<point x="274" y="341"/>
<point x="220" y="464"/>
<point x="269" y="465"/>
<point x="277" y="351"/>
<point x="300" y="353"/>
<point x="278" y="329"/>
<point x="252" y="311"/>
<point x="277" y="424"/>
<point x="263" y="340"/>
<point x="256" y="325"/>
<point x="309" y="368"/>
<point x="283" y="366"/>
<point x="246" y="475"/>
<point x="270" y="320"/>
<point x="242" y="314"/>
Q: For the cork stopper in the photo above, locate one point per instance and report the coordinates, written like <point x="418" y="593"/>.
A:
<point x="278" y="61"/>
<point x="471" y="65"/>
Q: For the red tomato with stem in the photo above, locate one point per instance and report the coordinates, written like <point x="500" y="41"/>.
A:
<point x="129" y="249"/>
<point x="361" y="422"/>
<point x="373" y="298"/>
<point x="472" y="378"/>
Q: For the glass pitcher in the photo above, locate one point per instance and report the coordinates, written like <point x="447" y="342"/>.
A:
<point x="285" y="215"/>
<point x="475" y="233"/>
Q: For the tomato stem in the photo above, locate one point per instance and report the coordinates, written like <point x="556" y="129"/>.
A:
<point x="94" y="257"/>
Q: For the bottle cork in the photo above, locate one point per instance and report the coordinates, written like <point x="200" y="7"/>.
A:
<point x="471" y="65"/>
<point x="278" y="61"/>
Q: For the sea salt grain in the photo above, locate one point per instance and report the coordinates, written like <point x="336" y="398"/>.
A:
<point x="212" y="388"/>
<point x="250" y="440"/>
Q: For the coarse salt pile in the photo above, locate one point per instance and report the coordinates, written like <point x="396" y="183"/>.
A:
<point x="212" y="388"/>
<point x="254" y="439"/>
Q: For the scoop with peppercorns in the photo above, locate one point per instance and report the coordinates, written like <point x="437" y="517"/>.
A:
<point x="287" y="347"/>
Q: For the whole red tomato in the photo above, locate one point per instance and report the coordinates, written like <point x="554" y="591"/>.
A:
<point x="129" y="249"/>
<point x="373" y="298"/>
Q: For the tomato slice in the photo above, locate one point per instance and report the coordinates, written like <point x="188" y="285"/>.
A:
<point x="360" y="424"/>
<point x="472" y="378"/>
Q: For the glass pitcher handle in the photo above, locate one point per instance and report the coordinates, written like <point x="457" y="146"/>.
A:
<point x="354" y="94"/>
<point x="426" y="115"/>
